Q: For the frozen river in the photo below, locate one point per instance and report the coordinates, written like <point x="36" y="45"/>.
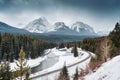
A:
<point x="49" y="62"/>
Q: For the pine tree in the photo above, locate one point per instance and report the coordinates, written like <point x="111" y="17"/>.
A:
<point x="22" y="64"/>
<point x="76" y="75"/>
<point x="74" y="50"/>
<point x="27" y="75"/>
<point x="0" y="49"/>
<point x="115" y="36"/>
<point x="5" y="73"/>
<point x="68" y="45"/>
<point x="61" y="45"/>
<point x="64" y="74"/>
<point x="0" y="37"/>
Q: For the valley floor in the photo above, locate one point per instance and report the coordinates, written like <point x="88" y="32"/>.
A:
<point x="64" y="56"/>
<point x="49" y="66"/>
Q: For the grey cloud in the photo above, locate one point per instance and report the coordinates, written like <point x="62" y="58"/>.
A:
<point x="21" y="5"/>
<point x="100" y="6"/>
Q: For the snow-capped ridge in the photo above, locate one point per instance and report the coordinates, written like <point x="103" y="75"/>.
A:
<point x="41" y="25"/>
<point x="59" y="25"/>
<point x="82" y="27"/>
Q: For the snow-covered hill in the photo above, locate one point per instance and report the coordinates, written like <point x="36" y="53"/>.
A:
<point x="7" y="28"/>
<point x="108" y="71"/>
<point x="41" y="25"/>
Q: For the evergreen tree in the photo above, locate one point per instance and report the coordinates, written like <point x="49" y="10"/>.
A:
<point x="64" y="74"/>
<point x="27" y="74"/>
<point x="115" y="36"/>
<point x="0" y="38"/>
<point x="68" y="45"/>
<point x="74" y="50"/>
<point x="5" y="73"/>
<point x="0" y="48"/>
<point x="61" y="45"/>
<point x="76" y="75"/>
<point x="22" y="64"/>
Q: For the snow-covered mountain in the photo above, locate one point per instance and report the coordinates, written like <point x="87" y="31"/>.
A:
<point x="82" y="28"/>
<point x="62" y="29"/>
<point x="7" y="28"/>
<point x="41" y="25"/>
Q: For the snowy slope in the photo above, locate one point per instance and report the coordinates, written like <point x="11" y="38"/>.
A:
<point x="82" y="28"/>
<point x="108" y="71"/>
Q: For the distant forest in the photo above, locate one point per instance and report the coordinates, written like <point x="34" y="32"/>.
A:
<point x="11" y="44"/>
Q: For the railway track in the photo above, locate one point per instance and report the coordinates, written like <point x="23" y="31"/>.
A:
<point x="51" y="72"/>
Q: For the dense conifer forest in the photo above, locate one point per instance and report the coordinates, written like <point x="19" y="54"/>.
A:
<point x="10" y="46"/>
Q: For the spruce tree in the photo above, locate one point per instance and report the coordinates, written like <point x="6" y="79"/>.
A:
<point x="115" y="36"/>
<point x="76" y="75"/>
<point x="74" y="50"/>
<point x="68" y="45"/>
<point x="5" y="73"/>
<point x="61" y="45"/>
<point x="64" y="74"/>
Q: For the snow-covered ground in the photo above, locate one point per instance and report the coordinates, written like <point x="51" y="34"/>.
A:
<point x="31" y="62"/>
<point x="64" y="57"/>
<point x="108" y="71"/>
<point x="55" y="59"/>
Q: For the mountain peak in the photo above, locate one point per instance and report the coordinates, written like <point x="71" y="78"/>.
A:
<point x="82" y="28"/>
<point x="42" y="19"/>
<point x="39" y="25"/>
<point x="80" y="24"/>
<point x="60" y="25"/>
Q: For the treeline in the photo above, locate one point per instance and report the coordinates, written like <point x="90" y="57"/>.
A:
<point x="98" y="45"/>
<point x="10" y="45"/>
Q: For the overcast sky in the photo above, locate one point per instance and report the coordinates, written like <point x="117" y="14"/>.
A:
<point x="100" y="14"/>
